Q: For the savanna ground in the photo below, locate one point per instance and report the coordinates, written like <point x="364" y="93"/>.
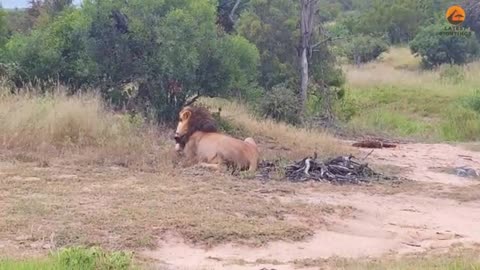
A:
<point x="74" y="174"/>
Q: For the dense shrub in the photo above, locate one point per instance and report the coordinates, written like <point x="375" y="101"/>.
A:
<point x="452" y="74"/>
<point x="56" y="52"/>
<point x="436" y="48"/>
<point x="280" y="103"/>
<point x="363" y="49"/>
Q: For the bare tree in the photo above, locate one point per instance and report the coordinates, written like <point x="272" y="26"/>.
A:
<point x="232" y="12"/>
<point x="307" y="24"/>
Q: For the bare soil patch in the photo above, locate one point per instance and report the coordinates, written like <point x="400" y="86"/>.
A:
<point x="189" y="218"/>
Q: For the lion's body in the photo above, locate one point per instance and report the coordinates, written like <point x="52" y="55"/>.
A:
<point x="203" y="144"/>
<point x="216" y="148"/>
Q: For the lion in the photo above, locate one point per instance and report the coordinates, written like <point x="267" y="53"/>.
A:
<point x="198" y="137"/>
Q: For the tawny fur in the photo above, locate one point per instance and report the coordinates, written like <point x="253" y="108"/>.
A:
<point x="198" y="137"/>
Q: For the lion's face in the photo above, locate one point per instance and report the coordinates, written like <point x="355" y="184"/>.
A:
<point x="182" y="128"/>
<point x="190" y="120"/>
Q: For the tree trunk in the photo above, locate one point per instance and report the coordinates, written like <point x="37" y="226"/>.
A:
<point x="306" y="27"/>
<point x="304" y="80"/>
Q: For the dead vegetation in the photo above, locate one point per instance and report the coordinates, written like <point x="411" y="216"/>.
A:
<point x="72" y="172"/>
<point x="93" y="177"/>
<point x="342" y="169"/>
<point x="118" y="208"/>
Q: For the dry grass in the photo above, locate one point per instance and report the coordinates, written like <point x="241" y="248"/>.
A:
<point x="37" y="127"/>
<point x="456" y="259"/>
<point x="296" y="142"/>
<point x="400" y="68"/>
<point x="72" y="173"/>
<point x="118" y="208"/>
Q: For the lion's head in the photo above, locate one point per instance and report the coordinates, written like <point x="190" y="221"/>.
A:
<point x="192" y="119"/>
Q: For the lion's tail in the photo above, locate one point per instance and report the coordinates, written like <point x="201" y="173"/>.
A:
<point x="250" y="141"/>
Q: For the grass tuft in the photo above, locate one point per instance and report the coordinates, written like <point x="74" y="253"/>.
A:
<point x="74" y="258"/>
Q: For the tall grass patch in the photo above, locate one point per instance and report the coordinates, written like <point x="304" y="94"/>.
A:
<point x="462" y="119"/>
<point x="300" y="140"/>
<point x="74" y="258"/>
<point x="55" y="122"/>
<point x="433" y="104"/>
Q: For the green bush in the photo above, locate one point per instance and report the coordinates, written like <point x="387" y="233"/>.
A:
<point x="363" y="49"/>
<point x="280" y="103"/>
<point x="452" y="74"/>
<point x="74" y="258"/>
<point x="436" y="48"/>
<point x="472" y="101"/>
<point x="56" y="51"/>
<point x="461" y="124"/>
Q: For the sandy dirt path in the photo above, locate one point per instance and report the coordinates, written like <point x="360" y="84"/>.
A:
<point x="382" y="225"/>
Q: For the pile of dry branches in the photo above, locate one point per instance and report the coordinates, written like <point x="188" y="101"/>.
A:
<point x="343" y="169"/>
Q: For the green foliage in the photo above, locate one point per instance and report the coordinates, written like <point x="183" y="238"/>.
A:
<point x="3" y="27"/>
<point x="225" y="8"/>
<point x="54" y="7"/>
<point x="273" y="27"/>
<point x="168" y="51"/>
<point x="452" y="74"/>
<point x="232" y="69"/>
<point x="227" y="126"/>
<point x="280" y="103"/>
<point x="93" y="258"/>
<point x="152" y="55"/>
<point x="397" y="20"/>
<point x="386" y="121"/>
<point x="460" y="124"/>
<point x="330" y="10"/>
<point x="74" y="258"/>
<point x="472" y="101"/>
<point x="436" y="48"/>
<point x="363" y="49"/>
<point x="54" y="52"/>
<point x="346" y="108"/>
<point x="472" y="9"/>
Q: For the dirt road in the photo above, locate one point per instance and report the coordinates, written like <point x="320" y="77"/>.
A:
<point x="441" y="211"/>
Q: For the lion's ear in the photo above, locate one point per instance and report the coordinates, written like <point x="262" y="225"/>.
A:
<point x="186" y="115"/>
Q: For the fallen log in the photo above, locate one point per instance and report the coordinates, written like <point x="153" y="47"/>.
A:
<point x="373" y="144"/>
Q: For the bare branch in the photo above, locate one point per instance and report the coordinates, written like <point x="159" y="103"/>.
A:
<point x="232" y="12"/>
<point x="324" y="41"/>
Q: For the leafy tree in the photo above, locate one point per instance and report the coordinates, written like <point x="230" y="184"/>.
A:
<point x="274" y="28"/>
<point x="397" y="20"/>
<point x="280" y="103"/>
<point x="170" y="49"/>
<point x="3" y="27"/>
<point x="17" y="21"/>
<point x="231" y="69"/>
<point x="228" y="12"/>
<point x="54" y="52"/>
<point x="363" y="49"/>
<point x="436" y="48"/>
<point x="54" y="7"/>
<point x="472" y="20"/>
<point x="272" y="25"/>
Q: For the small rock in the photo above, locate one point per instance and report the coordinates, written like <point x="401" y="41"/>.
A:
<point x="466" y="172"/>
